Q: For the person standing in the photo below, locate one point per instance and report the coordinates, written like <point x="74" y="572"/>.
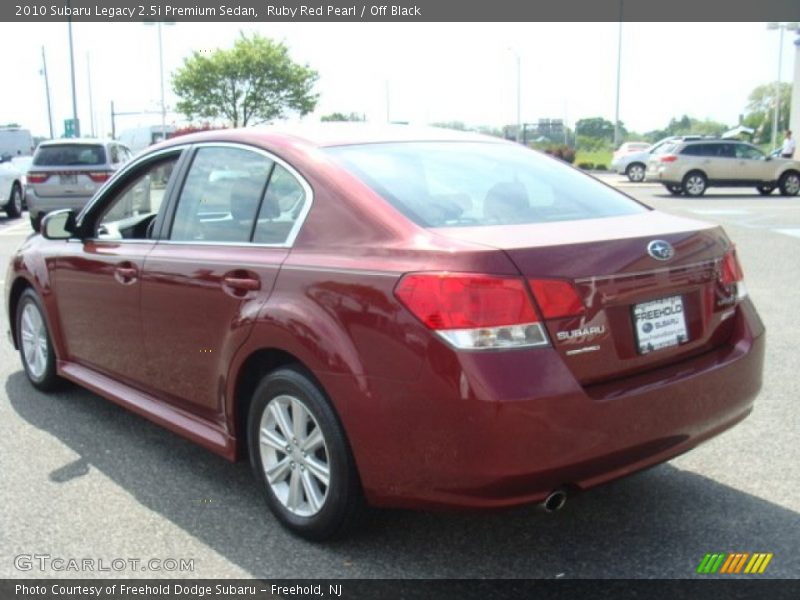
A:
<point x="787" y="151"/>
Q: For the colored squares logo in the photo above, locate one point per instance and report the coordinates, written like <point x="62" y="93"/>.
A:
<point x="733" y="563"/>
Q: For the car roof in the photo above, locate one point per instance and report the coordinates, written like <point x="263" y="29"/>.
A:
<point x="338" y="134"/>
<point x="87" y="141"/>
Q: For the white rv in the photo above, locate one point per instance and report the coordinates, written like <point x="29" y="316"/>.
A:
<point x="15" y="142"/>
<point x="139" y="138"/>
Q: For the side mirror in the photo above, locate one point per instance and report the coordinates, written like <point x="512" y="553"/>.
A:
<point x="768" y="157"/>
<point x="59" y="225"/>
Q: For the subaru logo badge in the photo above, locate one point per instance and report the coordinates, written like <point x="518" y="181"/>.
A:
<point x="660" y="250"/>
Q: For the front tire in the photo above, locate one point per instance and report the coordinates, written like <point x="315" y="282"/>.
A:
<point x="635" y="172"/>
<point x="301" y="458"/>
<point x="790" y="183"/>
<point x="36" y="222"/>
<point x="14" y="207"/>
<point x="35" y="346"/>
<point x="694" y="184"/>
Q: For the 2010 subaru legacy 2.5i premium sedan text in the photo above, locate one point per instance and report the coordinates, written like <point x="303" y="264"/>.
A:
<point x="407" y="317"/>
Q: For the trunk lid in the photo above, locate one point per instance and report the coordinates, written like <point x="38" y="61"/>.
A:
<point x="623" y="288"/>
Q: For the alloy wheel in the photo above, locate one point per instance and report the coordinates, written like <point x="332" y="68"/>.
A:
<point x="294" y="455"/>
<point x="34" y="340"/>
<point x="636" y="173"/>
<point x="791" y="185"/>
<point x="695" y="185"/>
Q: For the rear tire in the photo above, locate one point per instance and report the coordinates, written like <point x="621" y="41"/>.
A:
<point x="694" y="184"/>
<point x="14" y="207"/>
<point x="35" y="346"/>
<point x="790" y="183"/>
<point x="764" y="189"/>
<point x="301" y="458"/>
<point x="36" y="222"/>
<point x="635" y="172"/>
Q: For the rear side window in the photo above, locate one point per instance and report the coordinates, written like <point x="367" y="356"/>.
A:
<point x="221" y="195"/>
<point x="695" y="150"/>
<point x="69" y="155"/>
<point x="451" y="184"/>
<point x="283" y="204"/>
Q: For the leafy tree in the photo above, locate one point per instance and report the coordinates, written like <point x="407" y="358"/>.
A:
<point x="337" y="116"/>
<point x="761" y="107"/>
<point x="457" y="125"/>
<point x="253" y="82"/>
<point x="598" y="128"/>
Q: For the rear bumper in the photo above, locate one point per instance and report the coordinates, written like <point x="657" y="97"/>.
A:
<point x="498" y="429"/>
<point x="41" y="205"/>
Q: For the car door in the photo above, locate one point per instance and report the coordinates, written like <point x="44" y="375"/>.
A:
<point x="97" y="279"/>
<point x="751" y="164"/>
<point x="205" y="281"/>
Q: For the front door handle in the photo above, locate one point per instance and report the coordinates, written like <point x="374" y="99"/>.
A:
<point x="241" y="284"/>
<point x="126" y="273"/>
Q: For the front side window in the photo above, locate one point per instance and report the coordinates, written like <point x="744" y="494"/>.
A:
<point x="748" y="152"/>
<point x="132" y="209"/>
<point x="221" y="195"/>
<point x="453" y="184"/>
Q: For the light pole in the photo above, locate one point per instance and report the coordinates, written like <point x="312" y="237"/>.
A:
<point x="91" y="100"/>
<point x="158" y="25"/>
<point x="76" y="123"/>
<point x="619" y="73"/>
<point x="47" y="92"/>
<point x="519" y="92"/>
<point x="776" y="114"/>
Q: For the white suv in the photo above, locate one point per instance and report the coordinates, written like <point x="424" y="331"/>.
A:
<point x="66" y="173"/>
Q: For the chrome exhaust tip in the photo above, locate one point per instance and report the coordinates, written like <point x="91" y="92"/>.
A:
<point x="555" y="501"/>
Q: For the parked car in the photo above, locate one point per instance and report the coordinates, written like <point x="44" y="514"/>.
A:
<point x="23" y="165"/>
<point x="67" y="172"/>
<point x="691" y="167"/>
<point x="11" y="189"/>
<point x="619" y="163"/>
<point x="397" y="316"/>
<point x="634" y="164"/>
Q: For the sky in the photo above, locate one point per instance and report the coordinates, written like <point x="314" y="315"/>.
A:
<point x="424" y="72"/>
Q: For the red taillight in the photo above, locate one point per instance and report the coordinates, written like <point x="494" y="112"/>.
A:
<point x="99" y="176"/>
<point x="465" y="301"/>
<point x="731" y="270"/>
<point x="556" y="298"/>
<point x="668" y="158"/>
<point x="34" y="177"/>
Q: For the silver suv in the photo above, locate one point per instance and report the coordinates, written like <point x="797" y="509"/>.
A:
<point x="66" y="173"/>
<point x="690" y="167"/>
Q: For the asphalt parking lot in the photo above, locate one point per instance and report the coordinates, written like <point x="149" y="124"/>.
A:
<point x="83" y="478"/>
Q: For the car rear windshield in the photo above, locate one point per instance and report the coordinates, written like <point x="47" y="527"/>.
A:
<point x="70" y="155"/>
<point x="451" y="184"/>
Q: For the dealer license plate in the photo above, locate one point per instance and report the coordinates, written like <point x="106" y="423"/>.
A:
<point x="660" y="324"/>
<point x="68" y="179"/>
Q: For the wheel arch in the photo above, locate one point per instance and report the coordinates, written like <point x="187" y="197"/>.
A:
<point x="17" y="288"/>
<point x="257" y="365"/>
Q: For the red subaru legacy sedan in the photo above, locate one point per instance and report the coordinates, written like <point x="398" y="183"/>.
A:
<point x="391" y="316"/>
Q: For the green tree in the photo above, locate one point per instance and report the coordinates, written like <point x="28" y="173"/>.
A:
<point x="760" y="111"/>
<point x="337" y="116"/>
<point x="253" y="82"/>
<point x="598" y="128"/>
